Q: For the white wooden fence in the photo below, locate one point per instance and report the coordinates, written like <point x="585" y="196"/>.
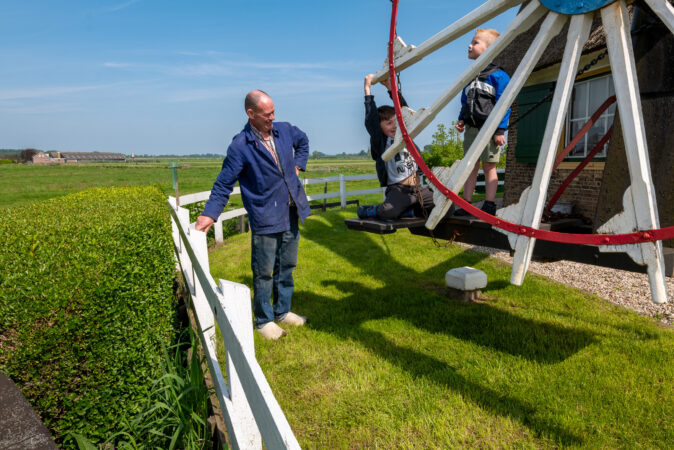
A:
<point x="342" y="194"/>
<point x="251" y="412"/>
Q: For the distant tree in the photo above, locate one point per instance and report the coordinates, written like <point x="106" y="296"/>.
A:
<point x="446" y="147"/>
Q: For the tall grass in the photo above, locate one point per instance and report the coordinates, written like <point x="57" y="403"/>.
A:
<point x="176" y="411"/>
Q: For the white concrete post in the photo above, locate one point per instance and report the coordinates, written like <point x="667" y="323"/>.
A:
<point x="342" y="191"/>
<point x="240" y="316"/>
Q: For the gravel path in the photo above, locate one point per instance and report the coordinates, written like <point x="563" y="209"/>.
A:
<point x="627" y="289"/>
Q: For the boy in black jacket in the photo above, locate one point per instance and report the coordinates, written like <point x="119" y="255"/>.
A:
<point x="399" y="174"/>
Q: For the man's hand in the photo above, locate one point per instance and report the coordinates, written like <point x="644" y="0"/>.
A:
<point x="460" y="125"/>
<point x="386" y="83"/>
<point x="204" y="223"/>
<point x="367" y="83"/>
<point x="499" y="140"/>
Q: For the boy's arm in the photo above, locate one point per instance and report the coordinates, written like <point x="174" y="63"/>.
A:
<point x="500" y="80"/>
<point x="371" y="115"/>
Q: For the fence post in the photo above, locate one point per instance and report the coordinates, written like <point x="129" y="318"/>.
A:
<point x="242" y="224"/>
<point x="184" y="218"/>
<point x="199" y="300"/>
<point x="240" y="317"/>
<point x="217" y="231"/>
<point x="342" y="191"/>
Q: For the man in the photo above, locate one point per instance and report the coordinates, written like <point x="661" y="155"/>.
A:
<point x="266" y="157"/>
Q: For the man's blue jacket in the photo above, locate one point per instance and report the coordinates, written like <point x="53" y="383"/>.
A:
<point x="265" y="192"/>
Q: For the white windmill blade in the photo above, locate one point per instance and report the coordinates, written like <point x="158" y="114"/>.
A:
<point x="405" y="56"/>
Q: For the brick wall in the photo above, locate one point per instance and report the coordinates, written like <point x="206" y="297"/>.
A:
<point x="583" y="190"/>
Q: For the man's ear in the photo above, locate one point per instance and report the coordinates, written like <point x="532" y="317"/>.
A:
<point x="249" y="113"/>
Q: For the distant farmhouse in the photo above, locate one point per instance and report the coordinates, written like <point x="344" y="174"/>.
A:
<point x="32" y="156"/>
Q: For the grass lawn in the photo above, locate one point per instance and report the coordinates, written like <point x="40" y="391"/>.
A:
<point x="388" y="360"/>
<point x="22" y="183"/>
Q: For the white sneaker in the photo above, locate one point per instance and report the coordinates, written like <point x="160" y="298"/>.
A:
<point x="294" y="319"/>
<point x="271" y="331"/>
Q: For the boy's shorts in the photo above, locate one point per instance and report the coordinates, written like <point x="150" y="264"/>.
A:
<point x="491" y="152"/>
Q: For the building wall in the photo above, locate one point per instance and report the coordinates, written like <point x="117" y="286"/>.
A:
<point x="583" y="191"/>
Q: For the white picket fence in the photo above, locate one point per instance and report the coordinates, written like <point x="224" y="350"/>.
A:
<point x="251" y="412"/>
<point x="342" y="194"/>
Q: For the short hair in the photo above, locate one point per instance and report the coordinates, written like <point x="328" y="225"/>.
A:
<point x="489" y="33"/>
<point x="386" y="112"/>
<point x="253" y="98"/>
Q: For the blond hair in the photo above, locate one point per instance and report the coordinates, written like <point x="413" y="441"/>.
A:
<point x="489" y="34"/>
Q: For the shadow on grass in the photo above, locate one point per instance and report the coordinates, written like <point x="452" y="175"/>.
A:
<point x="421" y="365"/>
<point x="416" y="297"/>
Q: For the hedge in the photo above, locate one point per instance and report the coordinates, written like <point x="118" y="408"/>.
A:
<point x="86" y="302"/>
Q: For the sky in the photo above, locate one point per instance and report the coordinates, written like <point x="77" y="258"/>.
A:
<point x="169" y="76"/>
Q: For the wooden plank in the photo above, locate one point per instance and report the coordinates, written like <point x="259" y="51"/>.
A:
<point x="531" y="211"/>
<point x="642" y="213"/>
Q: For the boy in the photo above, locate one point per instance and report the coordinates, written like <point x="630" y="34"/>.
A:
<point x="398" y="175"/>
<point x="477" y="101"/>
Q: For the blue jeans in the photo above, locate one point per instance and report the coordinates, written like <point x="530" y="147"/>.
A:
<point x="273" y="259"/>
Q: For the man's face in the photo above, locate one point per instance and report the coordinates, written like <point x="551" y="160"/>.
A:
<point x="388" y="127"/>
<point x="478" y="45"/>
<point x="262" y="115"/>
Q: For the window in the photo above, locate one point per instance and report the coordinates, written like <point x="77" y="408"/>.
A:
<point x="587" y="97"/>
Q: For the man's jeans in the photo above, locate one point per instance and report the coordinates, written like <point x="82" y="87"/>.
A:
<point x="274" y="256"/>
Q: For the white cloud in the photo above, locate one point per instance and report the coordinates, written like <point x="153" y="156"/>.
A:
<point x="120" y="6"/>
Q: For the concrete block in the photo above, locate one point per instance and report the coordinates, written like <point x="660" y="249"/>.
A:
<point x="466" y="279"/>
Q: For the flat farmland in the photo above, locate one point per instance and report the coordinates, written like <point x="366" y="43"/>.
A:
<point x="22" y="183"/>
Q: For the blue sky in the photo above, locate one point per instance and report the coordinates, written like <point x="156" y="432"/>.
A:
<point x="169" y="76"/>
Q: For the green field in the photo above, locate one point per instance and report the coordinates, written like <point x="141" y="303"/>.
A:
<point x="390" y="360"/>
<point x="21" y="184"/>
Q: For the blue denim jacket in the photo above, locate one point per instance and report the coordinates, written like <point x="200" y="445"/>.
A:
<point x="265" y="192"/>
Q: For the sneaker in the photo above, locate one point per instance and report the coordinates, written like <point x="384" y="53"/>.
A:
<point x="271" y="331"/>
<point x="489" y="207"/>
<point x="367" y="212"/>
<point x="460" y="212"/>
<point x="294" y="319"/>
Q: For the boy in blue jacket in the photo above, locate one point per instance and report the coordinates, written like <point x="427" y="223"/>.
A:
<point x="477" y="101"/>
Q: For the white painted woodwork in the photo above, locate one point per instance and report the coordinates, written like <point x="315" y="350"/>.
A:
<point x="442" y="203"/>
<point x="616" y="24"/>
<point x="405" y="56"/>
<point x="664" y="10"/>
<point x="520" y="24"/>
<point x="550" y="27"/>
<point x="240" y="315"/>
<point x="270" y="420"/>
<point x="532" y="210"/>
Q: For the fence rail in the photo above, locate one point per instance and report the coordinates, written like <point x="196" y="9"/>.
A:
<point x="342" y="194"/>
<point x="250" y="410"/>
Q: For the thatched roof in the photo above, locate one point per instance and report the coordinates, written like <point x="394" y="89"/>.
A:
<point x="511" y="57"/>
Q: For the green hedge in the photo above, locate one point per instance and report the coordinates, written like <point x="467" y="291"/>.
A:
<point x="86" y="301"/>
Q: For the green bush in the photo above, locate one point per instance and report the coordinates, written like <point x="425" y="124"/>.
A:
<point x="6" y="161"/>
<point x="86" y="304"/>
